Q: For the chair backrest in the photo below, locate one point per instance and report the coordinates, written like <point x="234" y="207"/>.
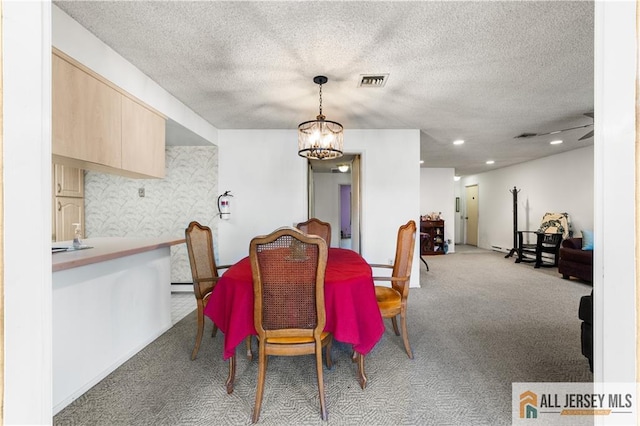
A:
<point x="315" y="226"/>
<point x="288" y="269"/>
<point x="203" y="265"/>
<point x="555" y="223"/>
<point x="404" y="256"/>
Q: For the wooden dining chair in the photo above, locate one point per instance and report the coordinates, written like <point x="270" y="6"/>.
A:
<point x="393" y="300"/>
<point x="288" y="269"/>
<point x="315" y="226"/>
<point x="204" y="272"/>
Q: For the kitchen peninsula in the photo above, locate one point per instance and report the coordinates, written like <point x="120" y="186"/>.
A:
<point x="109" y="302"/>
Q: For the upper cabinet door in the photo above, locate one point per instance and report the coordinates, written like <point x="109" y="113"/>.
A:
<point x="143" y="139"/>
<point x="68" y="181"/>
<point x="86" y="116"/>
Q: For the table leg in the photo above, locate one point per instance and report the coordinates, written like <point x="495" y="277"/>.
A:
<point x="362" y="378"/>
<point x="425" y="263"/>
<point x="232" y="374"/>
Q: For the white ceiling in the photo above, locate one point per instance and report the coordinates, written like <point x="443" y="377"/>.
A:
<point x="482" y="71"/>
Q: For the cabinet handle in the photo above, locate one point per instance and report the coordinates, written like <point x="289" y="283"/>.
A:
<point x="59" y="206"/>
<point x="59" y="188"/>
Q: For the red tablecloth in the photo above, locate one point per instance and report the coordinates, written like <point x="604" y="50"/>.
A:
<point x="352" y="312"/>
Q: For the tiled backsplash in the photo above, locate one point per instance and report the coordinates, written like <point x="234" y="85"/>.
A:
<point x="188" y="192"/>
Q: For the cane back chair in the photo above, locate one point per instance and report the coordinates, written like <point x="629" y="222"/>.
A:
<point x="288" y="269"/>
<point x="393" y="300"/>
<point x="315" y="226"/>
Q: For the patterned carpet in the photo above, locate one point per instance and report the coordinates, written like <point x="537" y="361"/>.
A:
<point x="478" y="323"/>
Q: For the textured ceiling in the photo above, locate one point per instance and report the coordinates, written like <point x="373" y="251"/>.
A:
<point x="482" y="71"/>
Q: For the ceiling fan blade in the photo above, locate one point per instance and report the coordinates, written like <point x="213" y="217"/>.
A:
<point x="563" y="130"/>
<point x="587" y="136"/>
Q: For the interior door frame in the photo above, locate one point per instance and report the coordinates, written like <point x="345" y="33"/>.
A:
<point x="356" y="202"/>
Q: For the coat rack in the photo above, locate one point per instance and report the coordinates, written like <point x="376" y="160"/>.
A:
<point x="514" y="192"/>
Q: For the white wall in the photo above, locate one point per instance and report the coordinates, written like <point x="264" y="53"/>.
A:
<point x="326" y="187"/>
<point x="27" y="212"/>
<point x="269" y="183"/>
<point x="559" y="183"/>
<point x="437" y="195"/>
<point x="615" y="251"/>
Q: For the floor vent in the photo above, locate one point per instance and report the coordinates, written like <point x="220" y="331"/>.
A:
<point x="373" y="80"/>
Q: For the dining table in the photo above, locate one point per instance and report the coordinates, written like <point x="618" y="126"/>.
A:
<point x="352" y="312"/>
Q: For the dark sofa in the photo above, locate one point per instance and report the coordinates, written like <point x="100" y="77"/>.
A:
<point x="575" y="262"/>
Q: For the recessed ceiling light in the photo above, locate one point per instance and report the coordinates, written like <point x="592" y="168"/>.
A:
<point x="456" y="178"/>
<point x="490" y="162"/>
<point x="556" y="142"/>
<point x="458" y="142"/>
<point x="421" y="161"/>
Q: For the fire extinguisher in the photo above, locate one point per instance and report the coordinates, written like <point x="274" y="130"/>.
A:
<point x="224" y="205"/>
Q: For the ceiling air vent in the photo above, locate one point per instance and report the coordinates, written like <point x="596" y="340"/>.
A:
<point x="373" y="80"/>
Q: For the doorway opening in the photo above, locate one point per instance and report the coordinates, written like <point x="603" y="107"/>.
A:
<point x="334" y="197"/>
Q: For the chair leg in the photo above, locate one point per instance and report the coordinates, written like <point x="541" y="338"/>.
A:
<point x="232" y="374"/>
<point x="262" y="367"/>
<point x="538" y="259"/>
<point x="395" y="325"/>
<point x="329" y="361"/>
<point x="323" y="407"/>
<point x="194" y="353"/>
<point x="405" y="334"/>
<point x="362" y="378"/>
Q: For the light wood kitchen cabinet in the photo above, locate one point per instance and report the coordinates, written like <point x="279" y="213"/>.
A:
<point x="67" y="196"/>
<point x="68" y="181"/>
<point x="98" y="126"/>
<point x="68" y="210"/>
<point x="143" y="139"/>
<point x="86" y="116"/>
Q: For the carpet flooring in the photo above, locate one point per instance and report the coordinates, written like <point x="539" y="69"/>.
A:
<point x="478" y="323"/>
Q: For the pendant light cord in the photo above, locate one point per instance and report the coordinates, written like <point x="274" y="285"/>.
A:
<point x="320" y="99"/>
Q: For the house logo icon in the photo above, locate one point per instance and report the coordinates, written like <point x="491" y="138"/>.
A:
<point x="528" y="405"/>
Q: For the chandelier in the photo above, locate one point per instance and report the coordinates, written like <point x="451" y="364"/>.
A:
<point x="320" y="139"/>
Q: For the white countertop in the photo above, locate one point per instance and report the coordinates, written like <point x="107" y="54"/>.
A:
<point x="106" y="248"/>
